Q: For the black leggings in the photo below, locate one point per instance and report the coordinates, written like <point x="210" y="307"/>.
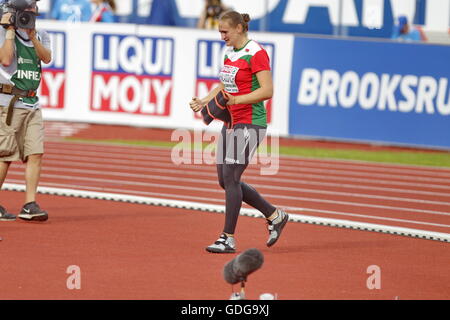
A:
<point x="234" y="151"/>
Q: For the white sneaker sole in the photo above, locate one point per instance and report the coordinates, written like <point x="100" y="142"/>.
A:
<point x="34" y="217"/>
<point x="219" y="250"/>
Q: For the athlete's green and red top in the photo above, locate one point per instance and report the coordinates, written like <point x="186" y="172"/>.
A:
<point x="238" y="75"/>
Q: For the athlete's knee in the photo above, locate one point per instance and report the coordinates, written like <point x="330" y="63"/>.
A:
<point x="229" y="181"/>
<point x="221" y="183"/>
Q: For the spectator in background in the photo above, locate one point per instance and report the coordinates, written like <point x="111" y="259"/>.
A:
<point x="103" y="11"/>
<point x="71" y="10"/>
<point x="404" y="32"/>
<point x="210" y="15"/>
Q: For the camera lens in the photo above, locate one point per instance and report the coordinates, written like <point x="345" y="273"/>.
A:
<point x="24" y="18"/>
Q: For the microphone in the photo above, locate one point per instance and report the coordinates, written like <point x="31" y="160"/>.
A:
<point x="244" y="264"/>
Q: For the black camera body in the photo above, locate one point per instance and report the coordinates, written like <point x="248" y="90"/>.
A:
<point x="19" y="18"/>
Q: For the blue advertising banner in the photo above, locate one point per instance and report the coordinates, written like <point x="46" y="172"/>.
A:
<point x="371" y="91"/>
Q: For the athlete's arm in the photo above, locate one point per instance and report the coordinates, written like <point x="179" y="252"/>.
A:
<point x="264" y="92"/>
<point x="197" y="104"/>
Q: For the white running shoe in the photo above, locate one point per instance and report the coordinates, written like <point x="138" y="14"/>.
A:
<point x="224" y="244"/>
<point x="276" y="226"/>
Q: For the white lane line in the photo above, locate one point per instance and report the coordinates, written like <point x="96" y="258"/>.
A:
<point x="213" y="181"/>
<point x="328" y="177"/>
<point x="213" y="200"/>
<point x="115" y="190"/>
<point x="209" y="200"/>
<point x="185" y="172"/>
<point x="368" y="168"/>
<point x="288" y="161"/>
<point x="174" y="169"/>
<point x="425" y="234"/>
<point x="287" y="207"/>
<point x="205" y="168"/>
<point x="202" y="181"/>
<point x="349" y="194"/>
<point x="117" y="182"/>
<point x="367" y="216"/>
<point x="298" y="168"/>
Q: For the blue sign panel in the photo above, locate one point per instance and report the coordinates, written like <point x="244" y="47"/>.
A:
<point x="371" y="91"/>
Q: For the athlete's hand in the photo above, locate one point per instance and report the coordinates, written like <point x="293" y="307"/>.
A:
<point x="231" y="99"/>
<point x="196" y="104"/>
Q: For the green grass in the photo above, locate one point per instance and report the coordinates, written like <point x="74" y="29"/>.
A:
<point x="439" y="159"/>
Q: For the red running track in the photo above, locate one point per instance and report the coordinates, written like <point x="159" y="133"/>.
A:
<point x="130" y="251"/>
<point x="405" y="196"/>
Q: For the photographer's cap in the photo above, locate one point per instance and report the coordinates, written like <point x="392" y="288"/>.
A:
<point x="22" y="4"/>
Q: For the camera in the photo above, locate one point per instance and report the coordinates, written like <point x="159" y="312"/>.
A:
<point x="13" y="13"/>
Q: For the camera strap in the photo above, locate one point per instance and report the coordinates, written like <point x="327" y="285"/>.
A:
<point x="23" y="39"/>
<point x="9" y="114"/>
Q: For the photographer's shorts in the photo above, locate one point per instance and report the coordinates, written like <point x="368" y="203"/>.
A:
<point x="25" y="135"/>
<point x="238" y="145"/>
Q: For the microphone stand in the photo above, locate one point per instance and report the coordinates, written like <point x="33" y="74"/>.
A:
<point x="239" y="295"/>
<point x="242" y="290"/>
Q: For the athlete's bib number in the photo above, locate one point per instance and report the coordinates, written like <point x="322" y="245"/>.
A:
<point x="227" y="76"/>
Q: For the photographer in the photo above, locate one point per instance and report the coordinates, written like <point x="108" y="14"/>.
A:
<point x="22" y="49"/>
<point x="210" y="15"/>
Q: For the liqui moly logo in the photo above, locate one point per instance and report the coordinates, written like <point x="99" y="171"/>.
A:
<point x="51" y="91"/>
<point x="132" y="74"/>
<point x="210" y="58"/>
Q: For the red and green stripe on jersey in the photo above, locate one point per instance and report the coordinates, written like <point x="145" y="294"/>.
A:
<point x="238" y="75"/>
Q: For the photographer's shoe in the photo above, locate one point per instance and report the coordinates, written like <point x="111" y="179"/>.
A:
<point x="276" y="226"/>
<point x="224" y="244"/>
<point x="32" y="212"/>
<point x="5" y="216"/>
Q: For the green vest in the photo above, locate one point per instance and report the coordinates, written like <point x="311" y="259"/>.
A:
<point x="29" y="71"/>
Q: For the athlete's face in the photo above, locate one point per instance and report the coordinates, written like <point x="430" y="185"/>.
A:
<point x="231" y="35"/>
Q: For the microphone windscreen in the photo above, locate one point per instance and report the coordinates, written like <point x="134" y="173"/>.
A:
<point x="244" y="264"/>
<point x="247" y="262"/>
<point x="229" y="274"/>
